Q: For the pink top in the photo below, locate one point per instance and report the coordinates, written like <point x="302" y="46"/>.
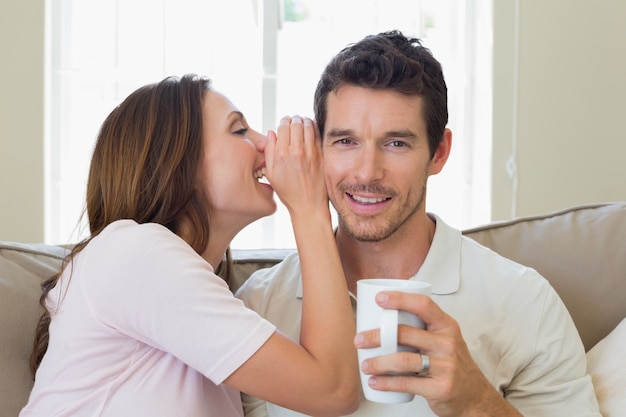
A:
<point x="143" y="327"/>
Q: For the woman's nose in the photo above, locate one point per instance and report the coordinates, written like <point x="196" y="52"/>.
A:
<point x="259" y="140"/>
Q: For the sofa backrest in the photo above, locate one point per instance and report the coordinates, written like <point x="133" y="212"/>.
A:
<point x="581" y="251"/>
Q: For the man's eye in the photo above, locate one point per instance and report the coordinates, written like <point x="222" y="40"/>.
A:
<point x="398" y="144"/>
<point x="344" y="141"/>
<point x="241" y="132"/>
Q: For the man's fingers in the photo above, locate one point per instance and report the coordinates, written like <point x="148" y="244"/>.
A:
<point x="421" y="305"/>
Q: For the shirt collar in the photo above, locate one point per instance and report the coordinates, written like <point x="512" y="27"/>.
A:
<point x="443" y="261"/>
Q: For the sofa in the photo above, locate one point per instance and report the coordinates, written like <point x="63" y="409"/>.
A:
<point x="580" y="250"/>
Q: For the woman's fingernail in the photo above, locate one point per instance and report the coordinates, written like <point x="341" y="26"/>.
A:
<point x="371" y="381"/>
<point x="358" y="340"/>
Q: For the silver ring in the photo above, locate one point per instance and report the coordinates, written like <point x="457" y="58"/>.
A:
<point x="425" y="365"/>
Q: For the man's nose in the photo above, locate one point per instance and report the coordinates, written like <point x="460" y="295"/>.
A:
<point x="369" y="165"/>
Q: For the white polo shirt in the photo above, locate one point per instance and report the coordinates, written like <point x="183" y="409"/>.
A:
<point x="516" y="327"/>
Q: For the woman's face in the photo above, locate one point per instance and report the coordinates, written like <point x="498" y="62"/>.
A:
<point x="232" y="166"/>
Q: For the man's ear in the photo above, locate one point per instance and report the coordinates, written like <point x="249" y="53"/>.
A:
<point x="441" y="153"/>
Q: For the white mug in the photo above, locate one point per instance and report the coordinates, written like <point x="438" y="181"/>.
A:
<point x="370" y="315"/>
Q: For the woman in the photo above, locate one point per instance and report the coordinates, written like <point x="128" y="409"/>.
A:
<point x="139" y="323"/>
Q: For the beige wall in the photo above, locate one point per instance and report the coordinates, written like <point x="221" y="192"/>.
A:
<point x="560" y="95"/>
<point x="558" y="107"/>
<point x="21" y="120"/>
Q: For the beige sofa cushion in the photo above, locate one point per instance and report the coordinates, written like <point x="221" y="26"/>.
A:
<point x="22" y="268"/>
<point x="581" y="251"/>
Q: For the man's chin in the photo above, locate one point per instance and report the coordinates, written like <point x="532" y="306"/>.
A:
<point x="366" y="234"/>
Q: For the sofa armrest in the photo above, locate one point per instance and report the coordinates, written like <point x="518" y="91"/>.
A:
<point x="22" y="269"/>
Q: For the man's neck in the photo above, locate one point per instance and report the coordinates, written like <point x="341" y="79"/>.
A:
<point x="398" y="256"/>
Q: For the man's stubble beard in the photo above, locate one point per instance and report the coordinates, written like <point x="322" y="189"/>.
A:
<point x="366" y="229"/>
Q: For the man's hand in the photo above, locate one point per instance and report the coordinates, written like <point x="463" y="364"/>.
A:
<point x="454" y="385"/>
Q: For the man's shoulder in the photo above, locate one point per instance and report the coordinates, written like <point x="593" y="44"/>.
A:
<point x="287" y="269"/>
<point x="274" y="294"/>
<point x="483" y="264"/>
<point x="284" y="275"/>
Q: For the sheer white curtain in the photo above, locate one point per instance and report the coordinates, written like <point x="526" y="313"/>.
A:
<point x="266" y="55"/>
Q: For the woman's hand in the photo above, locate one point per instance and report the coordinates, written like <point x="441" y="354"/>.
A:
<point x="293" y="160"/>
<point x="325" y="364"/>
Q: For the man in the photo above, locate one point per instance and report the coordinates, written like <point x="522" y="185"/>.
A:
<point x="498" y="339"/>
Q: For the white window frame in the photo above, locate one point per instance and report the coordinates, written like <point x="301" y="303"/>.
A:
<point x="460" y="194"/>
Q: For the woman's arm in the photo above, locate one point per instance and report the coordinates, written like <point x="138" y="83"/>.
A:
<point x="319" y="376"/>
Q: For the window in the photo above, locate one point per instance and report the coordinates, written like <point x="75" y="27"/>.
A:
<point x="266" y="55"/>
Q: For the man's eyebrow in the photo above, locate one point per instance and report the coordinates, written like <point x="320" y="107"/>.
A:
<point x="334" y="133"/>
<point x="402" y="134"/>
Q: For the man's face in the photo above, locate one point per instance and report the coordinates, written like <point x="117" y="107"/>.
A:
<point x="376" y="160"/>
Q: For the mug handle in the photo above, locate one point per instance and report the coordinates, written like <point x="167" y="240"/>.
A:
<point x="389" y="332"/>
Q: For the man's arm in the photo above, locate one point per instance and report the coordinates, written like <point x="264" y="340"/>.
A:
<point x="552" y="380"/>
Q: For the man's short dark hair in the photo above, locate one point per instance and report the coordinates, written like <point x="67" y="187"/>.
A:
<point x="389" y="60"/>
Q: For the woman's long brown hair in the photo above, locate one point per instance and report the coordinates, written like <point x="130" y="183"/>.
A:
<point x="144" y="167"/>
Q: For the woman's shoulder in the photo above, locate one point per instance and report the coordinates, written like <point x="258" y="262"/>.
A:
<point x="126" y="235"/>
<point x="136" y="257"/>
<point x="130" y="229"/>
<point x="126" y="245"/>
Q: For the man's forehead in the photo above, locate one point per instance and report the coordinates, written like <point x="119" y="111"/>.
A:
<point x="353" y="108"/>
